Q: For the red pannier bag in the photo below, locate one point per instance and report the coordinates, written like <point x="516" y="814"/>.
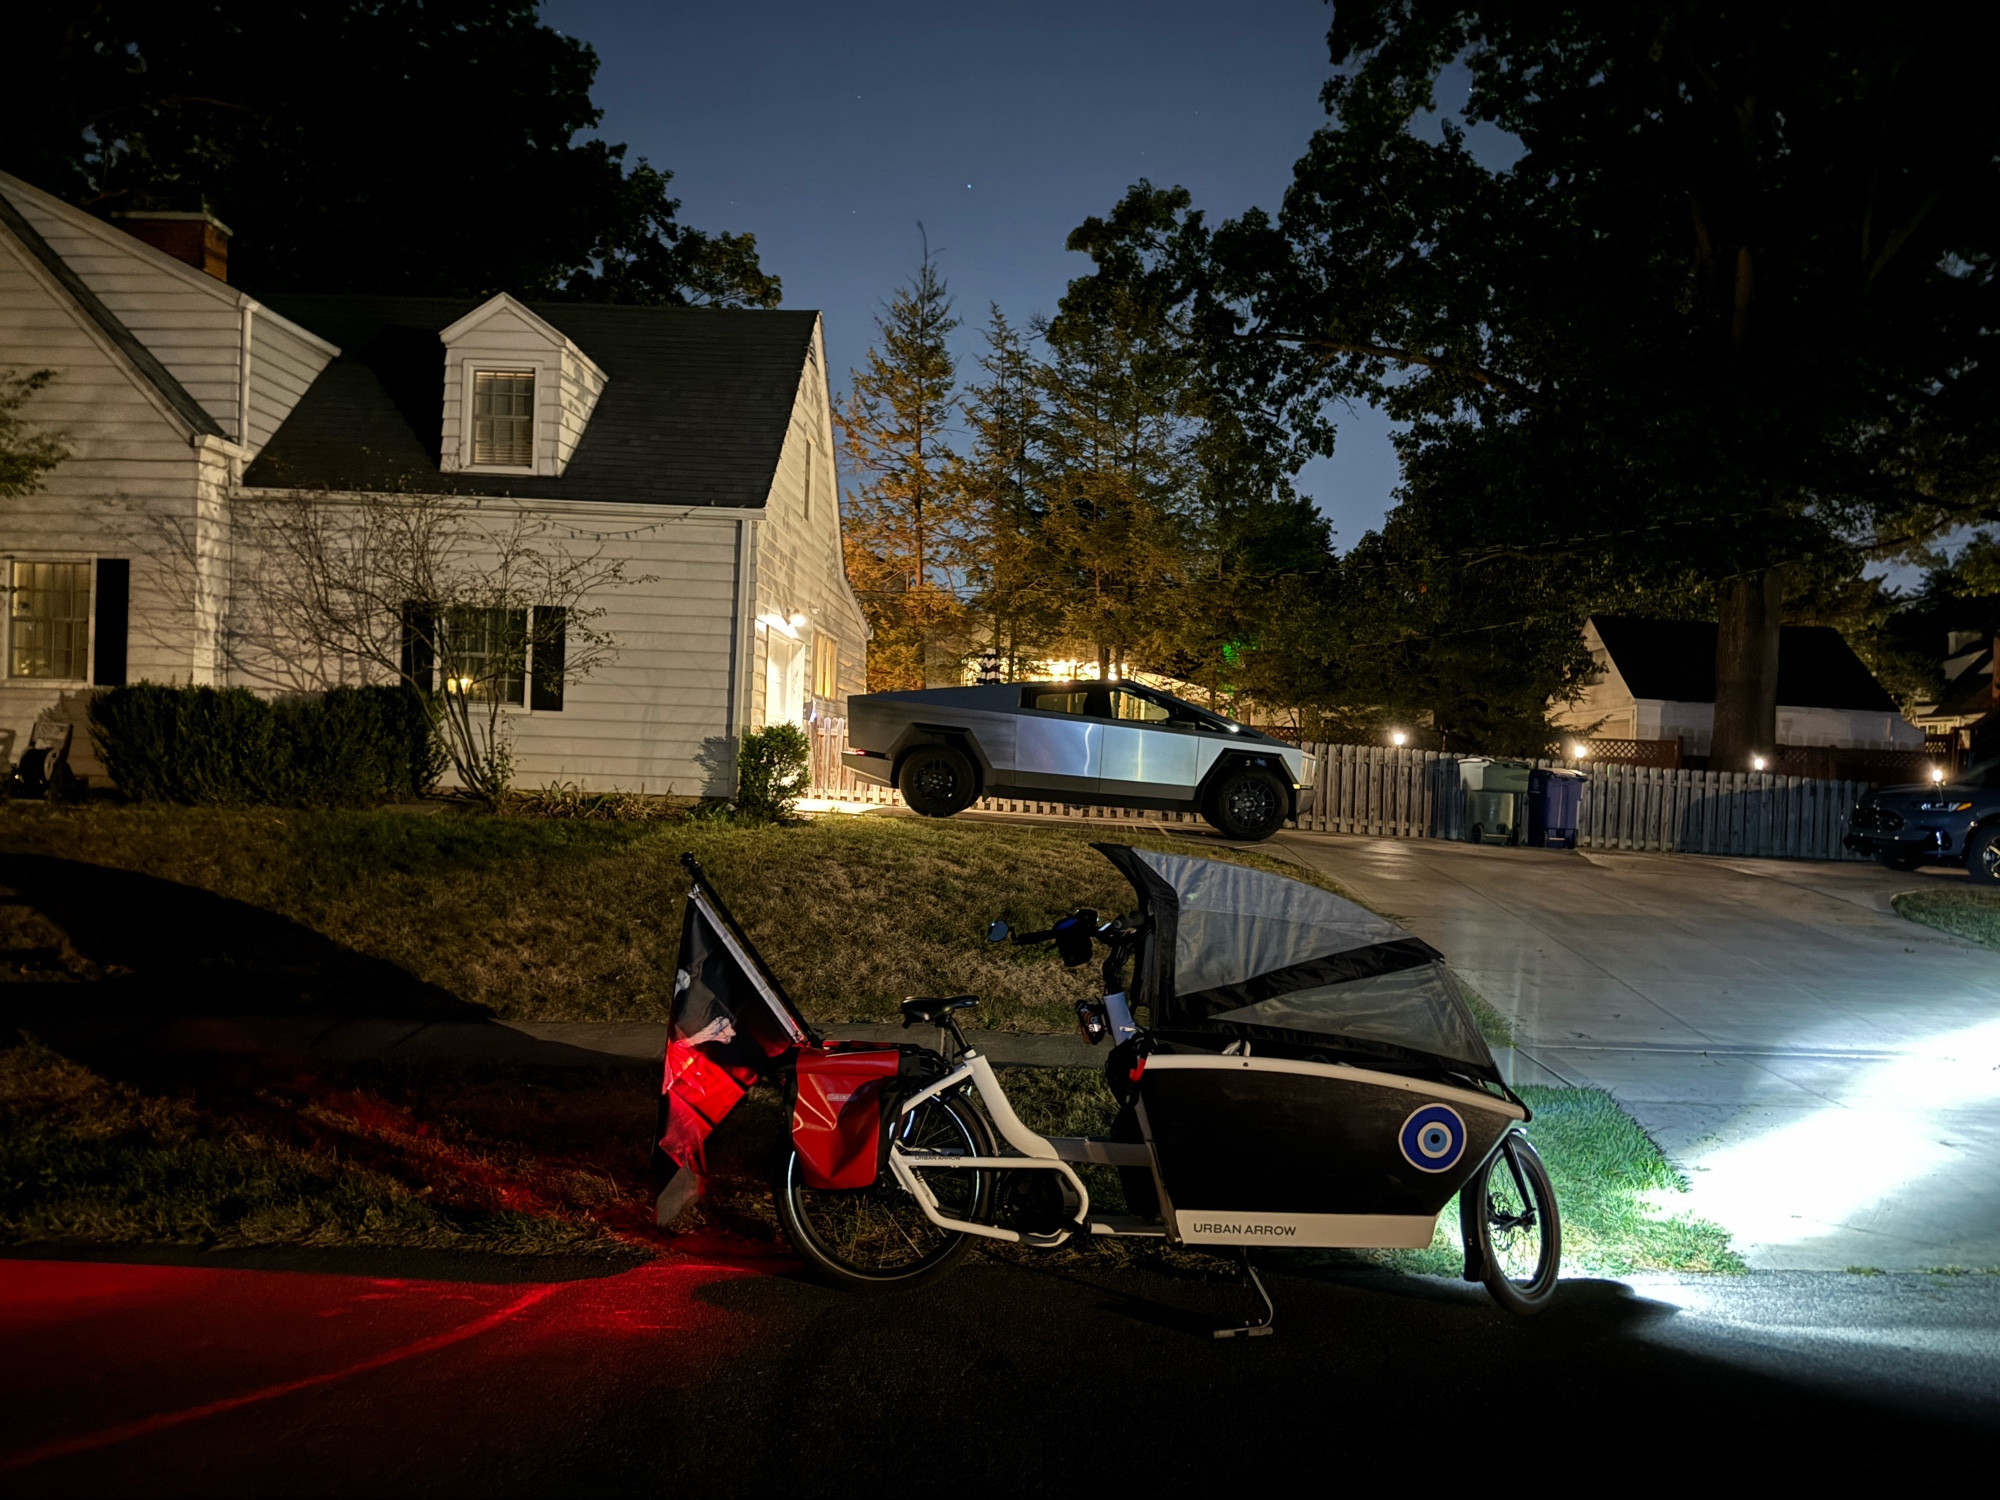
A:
<point x="842" y="1095"/>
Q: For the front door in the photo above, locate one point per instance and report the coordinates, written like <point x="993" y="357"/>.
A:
<point x="1145" y="755"/>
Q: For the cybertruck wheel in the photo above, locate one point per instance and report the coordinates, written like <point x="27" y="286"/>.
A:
<point x="1249" y="803"/>
<point x="876" y="1238"/>
<point x="1982" y="856"/>
<point x="937" y="781"/>
<point x="1508" y="1215"/>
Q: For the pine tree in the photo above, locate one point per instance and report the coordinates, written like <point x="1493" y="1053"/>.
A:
<point x="1001" y="551"/>
<point x="1119" y="472"/>
<point x="901" y="521"/>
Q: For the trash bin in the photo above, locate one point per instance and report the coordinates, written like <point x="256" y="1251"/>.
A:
<point x="1554" y="796"/>
<point x="1494" y="792"/>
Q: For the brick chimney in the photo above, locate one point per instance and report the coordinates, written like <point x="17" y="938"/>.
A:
<point x="200" y="239"/>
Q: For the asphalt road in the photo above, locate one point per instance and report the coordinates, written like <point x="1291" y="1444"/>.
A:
<point x="717" y="1375"/>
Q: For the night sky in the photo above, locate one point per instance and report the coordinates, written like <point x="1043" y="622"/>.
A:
<point x="830" y="130"/>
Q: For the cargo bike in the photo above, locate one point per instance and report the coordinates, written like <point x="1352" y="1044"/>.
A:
<point x="1291" y="1070"/>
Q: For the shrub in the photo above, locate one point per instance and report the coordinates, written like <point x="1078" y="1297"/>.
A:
<point x="200" y="744"/>
<point x="772" y="770"/>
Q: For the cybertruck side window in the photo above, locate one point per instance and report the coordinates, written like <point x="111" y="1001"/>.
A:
<point x="1125" y="705"/>
<point x="1057" y="703"/>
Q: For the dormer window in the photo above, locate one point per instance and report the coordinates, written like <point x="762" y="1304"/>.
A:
<point x="503" y="417"/>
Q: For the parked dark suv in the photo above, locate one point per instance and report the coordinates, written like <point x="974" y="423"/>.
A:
<point x="1956" y="822"/>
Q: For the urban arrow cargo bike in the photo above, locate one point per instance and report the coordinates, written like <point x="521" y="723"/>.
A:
<point x="1291" y="1070"/>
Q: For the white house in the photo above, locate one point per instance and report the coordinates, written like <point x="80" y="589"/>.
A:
<point x="1655" y="680"/>
<point x="694" y="444"/>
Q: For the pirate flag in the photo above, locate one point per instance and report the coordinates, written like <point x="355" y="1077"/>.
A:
<point x="728" y="1022"/>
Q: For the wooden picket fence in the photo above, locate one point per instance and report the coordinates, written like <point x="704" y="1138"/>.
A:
<point x="1403" y="793"/>
<point x="1384" y="792"/>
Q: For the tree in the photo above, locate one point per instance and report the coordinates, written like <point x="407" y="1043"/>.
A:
<point x="903" y="516"/>
<point x="413" y="588"/>
<point x="1226" y="569"/>
<point x="26" y="451"/>
<point x="999" y="549"/>
<point x="413" y="146"/>
<point x="1728" y="316"/>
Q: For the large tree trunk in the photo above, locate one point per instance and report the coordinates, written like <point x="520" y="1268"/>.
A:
<point x="1746" y="671"/>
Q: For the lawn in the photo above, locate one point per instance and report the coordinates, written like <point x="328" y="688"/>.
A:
<point x="1962" y="910"/>
<point x="214" y="1158"/>
<point x="545" y="919"/>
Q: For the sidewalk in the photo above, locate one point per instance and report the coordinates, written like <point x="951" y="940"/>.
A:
<point x="1827" y="1073"/>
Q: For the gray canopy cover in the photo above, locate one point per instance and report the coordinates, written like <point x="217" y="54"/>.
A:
<point x="1244" y="951"/>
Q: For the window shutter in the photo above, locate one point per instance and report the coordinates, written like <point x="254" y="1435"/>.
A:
<point x="419" y="645"/>
<point x="545" y="689"/>
<point x="114" y="617"/>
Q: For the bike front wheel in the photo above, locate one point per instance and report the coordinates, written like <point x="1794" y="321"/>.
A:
<point x="1508" y="1212"/>
<point x="877" y="1238"/>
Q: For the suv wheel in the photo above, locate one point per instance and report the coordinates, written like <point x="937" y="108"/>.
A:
<point x="937" y="781"/>
<point x="1247" y="803"/>
<point x="1982" y="856"/>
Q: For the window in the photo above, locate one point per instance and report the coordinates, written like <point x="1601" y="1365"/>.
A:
<point x="484" y="653"/>
<point x="50" y="617"/>
<point x="1059" y="703"/>
<point x="1126" y="705"/>
<point x="503" y="417"/>
<point x="826" y="666"/>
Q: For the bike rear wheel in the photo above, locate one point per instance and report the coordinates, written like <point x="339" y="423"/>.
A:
<point x="877" y="1238"/>
<point x="1508" y="1212"/>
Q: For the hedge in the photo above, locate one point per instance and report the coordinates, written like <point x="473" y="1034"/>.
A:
<point x="200" y="744"/>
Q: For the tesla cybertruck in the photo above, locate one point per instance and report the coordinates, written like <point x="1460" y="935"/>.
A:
<point x="1090" y="743"/>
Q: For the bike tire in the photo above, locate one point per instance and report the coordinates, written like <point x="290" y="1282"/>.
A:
<point x="877" y="1238"/>
<point x="1510" y="1206"/>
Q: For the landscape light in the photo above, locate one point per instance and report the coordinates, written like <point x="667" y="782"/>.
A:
<point x="1937" y="775"/>
<point x="1578" y="750"/>
<point x="1397" y="737"/>
<point x="1756" y="762"/>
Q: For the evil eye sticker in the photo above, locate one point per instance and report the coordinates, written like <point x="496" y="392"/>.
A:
<point x="1433" y="1138"/>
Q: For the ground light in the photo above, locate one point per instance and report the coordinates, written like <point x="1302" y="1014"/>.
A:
<point x="1876" y="1139"/>
<point x="1937" y="775"/>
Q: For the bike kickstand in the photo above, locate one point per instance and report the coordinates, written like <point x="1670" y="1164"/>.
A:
<point x="1256" y="1327"/>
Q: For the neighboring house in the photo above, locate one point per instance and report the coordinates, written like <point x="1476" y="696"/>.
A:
<point x="1655" y="680"/>
<point x="694" y="444"/>
<point x="1968" y="710"/>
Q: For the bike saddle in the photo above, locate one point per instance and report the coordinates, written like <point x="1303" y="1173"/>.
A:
<point x="933" y="1008"/>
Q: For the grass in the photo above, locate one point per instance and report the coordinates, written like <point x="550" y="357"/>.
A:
<point x="88" y="1158"/>
<point x="1964" y="911"/>
<point x="576" y="919"/>
<point x="1615" y="1190"/>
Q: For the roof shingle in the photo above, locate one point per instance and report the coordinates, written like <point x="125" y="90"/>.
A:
<point x="1675" y="660"/>
<point x="694" y="410"/>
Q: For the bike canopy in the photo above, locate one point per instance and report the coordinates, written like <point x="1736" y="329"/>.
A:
<point x="1231" y="952"/>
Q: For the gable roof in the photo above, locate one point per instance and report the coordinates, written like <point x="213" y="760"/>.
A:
<point x="695" y="408"/>
<point x="1674" y="660"/>
<point x="142" y="360"/>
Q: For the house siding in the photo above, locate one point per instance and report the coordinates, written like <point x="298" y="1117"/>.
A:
<point x="129" y="488"/>
<point x="799" y="564"/>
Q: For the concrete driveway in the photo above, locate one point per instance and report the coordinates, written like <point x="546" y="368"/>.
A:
<point x="1827" y="1073"/>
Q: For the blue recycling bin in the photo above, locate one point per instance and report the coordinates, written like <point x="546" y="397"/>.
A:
<point x="1554" y="797"/>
